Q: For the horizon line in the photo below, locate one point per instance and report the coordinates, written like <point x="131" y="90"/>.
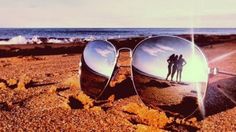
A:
<point x="125" y="27"/>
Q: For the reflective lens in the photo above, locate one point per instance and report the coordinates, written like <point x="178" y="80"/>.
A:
<point x="100" y="57"/>
<point x="98" y="62"/>
<point x="170" y="73"/>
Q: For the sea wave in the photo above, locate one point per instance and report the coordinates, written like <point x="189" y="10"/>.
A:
<point x="36" y="40"/>
<point x="15" y="40"/>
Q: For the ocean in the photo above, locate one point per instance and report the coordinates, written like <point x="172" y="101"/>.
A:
<point x="26" y="35"/>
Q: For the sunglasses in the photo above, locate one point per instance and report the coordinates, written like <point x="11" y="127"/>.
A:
<point x="167" y="72"/>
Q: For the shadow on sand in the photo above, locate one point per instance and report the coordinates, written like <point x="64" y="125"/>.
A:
<point x="121" y="90"/>
<point x="158" y="84"/>
<point x="35" y="84"/>
<point x="220" y="96"/>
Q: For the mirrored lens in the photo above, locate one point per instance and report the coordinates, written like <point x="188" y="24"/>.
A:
<point x="100" y="57"/>
<point x="170" y="73"/>
<point x="98" y="62"/>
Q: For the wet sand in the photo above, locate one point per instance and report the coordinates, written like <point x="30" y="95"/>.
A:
<point x="48" y="97"/>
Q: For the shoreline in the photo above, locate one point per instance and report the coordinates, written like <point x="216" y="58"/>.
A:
<point x="78" y="46"/>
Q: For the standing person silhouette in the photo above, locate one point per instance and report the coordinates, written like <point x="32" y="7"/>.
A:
<point x="174" y="68"/>
<point x="170" y="64"/>
<point x="180" y="63"/>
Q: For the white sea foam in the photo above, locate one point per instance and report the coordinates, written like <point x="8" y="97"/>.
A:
<point x="55" y="41"/>
<point x="15" y="40"/>
<point x="34" y="40"/>
<point x="90" y="38"/>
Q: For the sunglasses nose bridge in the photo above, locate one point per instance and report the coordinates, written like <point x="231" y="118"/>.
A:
<point x="121" y="83"/>
<point x="123" y="66"/>
<point x="124" y="57"/>
<point x="124" y="49"/>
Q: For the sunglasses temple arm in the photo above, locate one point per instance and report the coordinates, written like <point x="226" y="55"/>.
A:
<point x="216" y="71"/>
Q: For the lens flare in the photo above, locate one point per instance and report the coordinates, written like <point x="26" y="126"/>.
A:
<point x="218" y="58"/>
<point x="200" y="74"/>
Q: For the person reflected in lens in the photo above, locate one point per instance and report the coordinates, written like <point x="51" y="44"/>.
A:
<point x="180" y="63"/>
<point x="174" y="68"/>
<point x="170" y="61"/>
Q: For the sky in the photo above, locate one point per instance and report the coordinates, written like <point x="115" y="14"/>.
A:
<point x="151" y="57"/>
<point x="118" y="13"/>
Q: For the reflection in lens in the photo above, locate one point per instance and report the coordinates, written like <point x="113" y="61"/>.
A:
<point x="98" y="62"/>
<point x="170" y="73"/>
<point x="100" y="57"/>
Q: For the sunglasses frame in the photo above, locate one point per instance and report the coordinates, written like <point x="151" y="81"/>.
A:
<point x="132" y="51"/>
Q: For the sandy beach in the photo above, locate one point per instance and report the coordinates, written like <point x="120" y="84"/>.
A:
<point x="39" y="91"/>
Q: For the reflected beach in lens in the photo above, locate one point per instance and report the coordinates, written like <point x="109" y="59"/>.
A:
<point x="100" y="57"/>
<point x="154" y="58"/>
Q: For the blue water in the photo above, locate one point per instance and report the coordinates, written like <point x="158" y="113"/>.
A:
<point x="7" y="33"/>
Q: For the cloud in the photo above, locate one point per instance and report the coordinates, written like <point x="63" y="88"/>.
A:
<point x="103" y="52"/>
<point x="152" y="50"/>
<point x="155" y="50"/>
<point x="166" y="48"/>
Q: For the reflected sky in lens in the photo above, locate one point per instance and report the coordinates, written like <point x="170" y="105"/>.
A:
<point x="151" y="57"/>
<point x="100" y="56"/>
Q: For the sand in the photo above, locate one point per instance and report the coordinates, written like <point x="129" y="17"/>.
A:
<point x="49" y="97"/>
